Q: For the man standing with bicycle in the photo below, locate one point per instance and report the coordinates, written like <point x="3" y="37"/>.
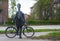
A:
<point x="20" y="20"/>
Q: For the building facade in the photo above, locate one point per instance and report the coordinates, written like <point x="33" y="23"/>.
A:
<point x="56" y="6"/>
<point x="3" y="11"/>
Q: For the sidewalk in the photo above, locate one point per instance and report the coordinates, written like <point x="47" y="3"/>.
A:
<point x="4" y="38"/>
<point x="38" y="27"/>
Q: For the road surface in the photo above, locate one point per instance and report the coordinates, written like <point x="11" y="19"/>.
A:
<point x="4" y="38"/>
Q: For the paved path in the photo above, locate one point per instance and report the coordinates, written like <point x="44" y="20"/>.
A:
<point x="47" y="27"/>
<point x="4" y="38"/>
<point x="38" y="27"/>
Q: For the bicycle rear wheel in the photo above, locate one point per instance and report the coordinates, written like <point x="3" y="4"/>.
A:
<point x="28" y="32"/>
<point x="10" y="32"/>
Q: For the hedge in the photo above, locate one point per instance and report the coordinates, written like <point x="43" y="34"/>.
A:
<point x="37" y="22"/>
<point x="43" y="22"/>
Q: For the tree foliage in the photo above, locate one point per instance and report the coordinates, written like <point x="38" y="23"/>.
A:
<point x="58" y="14"/>
<point x="42" y="5"/>
<point x="12" y="7"/>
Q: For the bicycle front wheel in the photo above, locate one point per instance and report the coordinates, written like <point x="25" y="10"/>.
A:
<point x="10" y="32"/>
<point x="28" y="32"/>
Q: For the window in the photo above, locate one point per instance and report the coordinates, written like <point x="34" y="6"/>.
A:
<point x="0" y="1"/>
<point x="58" y="5"/>
<point x="0" y="6"/>
<point x="0" y="9"/>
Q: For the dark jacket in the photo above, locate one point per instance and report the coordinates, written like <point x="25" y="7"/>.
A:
<point x="19" y="21"/>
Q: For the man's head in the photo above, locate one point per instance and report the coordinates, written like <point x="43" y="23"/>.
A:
<point x="19" y="5"/>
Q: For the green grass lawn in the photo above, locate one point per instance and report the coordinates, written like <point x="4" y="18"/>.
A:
<point x="53" y="35"/>
<point x="46" y="30"/>
<point x="2" y="31"/>
<point x="36" y="30"/>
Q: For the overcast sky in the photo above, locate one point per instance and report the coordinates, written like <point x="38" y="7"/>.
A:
<point x="25" y="5"/>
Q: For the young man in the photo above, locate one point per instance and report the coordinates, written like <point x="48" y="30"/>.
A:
<point x="19" y="19"/>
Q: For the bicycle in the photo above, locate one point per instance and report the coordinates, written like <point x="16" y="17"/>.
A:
<point x="11" y="31"/>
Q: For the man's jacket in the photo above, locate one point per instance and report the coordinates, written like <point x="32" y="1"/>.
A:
<point x="19" y="21"/>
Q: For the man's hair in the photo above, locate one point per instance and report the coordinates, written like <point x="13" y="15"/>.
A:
<point x="18" y="5"/>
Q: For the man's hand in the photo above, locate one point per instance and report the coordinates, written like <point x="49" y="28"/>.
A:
<point x="25" y="24"/>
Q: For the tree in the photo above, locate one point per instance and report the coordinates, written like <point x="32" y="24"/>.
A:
<point x="58" y="14"/>
<point x="12" y="7"/>
<point x="43" y="8"/>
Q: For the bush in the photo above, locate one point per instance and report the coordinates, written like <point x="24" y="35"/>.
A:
<point x="9" y="22"/>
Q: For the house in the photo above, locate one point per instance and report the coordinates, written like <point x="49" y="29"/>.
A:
<point x="56" y="5"/>
<point x="27" y="17"/>
<point x="3" y="11"/>
<point x="33" y="14"/>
